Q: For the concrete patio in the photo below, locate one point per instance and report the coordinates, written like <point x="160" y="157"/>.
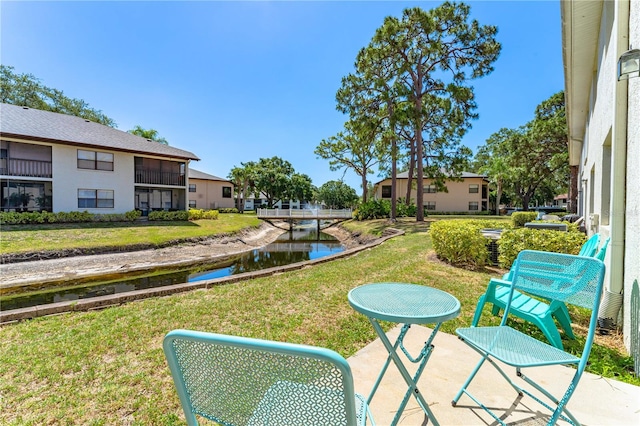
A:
<point x="596" y="401"/>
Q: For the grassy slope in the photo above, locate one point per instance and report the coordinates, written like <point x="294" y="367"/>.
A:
<point x="31" y="238"/>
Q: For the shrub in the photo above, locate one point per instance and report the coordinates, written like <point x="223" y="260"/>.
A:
<point x="460" y="242"/>
<point x="374" y="209"/>
<point x="210" y="215"/>
<point x="518" y="219"/>
<point x="13" y="218"/>
<point x="513" y="241"/>
<point x="403" y="210"/>
<point x="169" y="216"/>
<point x="132" y="215"/>
<point x="198" y="214"/>
<point x="228" y="210"/>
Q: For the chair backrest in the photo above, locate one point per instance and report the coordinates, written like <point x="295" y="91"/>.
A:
<point x="562" y="277"/>
<point x="240" y="381"/>
<point x="590" y="247"/>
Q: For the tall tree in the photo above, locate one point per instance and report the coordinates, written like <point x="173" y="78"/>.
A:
<point x="277" y="180"/>
<point x="413" y="77"/>
<point x="337" y="195"/>
<point x="357" y="148"/>
<point x="150" y="134"/>
<point x="27" y="90"/>
<point x="436" y="52"/>
<point x="535" y="154"/>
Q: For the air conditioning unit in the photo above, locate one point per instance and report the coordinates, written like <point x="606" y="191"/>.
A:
<point x="594" y="221"/>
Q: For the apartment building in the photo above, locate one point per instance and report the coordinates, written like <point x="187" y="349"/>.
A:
<point x="58" y="162"/>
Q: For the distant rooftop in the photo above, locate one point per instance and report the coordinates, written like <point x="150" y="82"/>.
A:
<point x="197" y="174"/>
<point x="34" y="124"/>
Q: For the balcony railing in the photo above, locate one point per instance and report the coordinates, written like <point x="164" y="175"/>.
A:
<point x="28" y="168"/>
<point x="156" y="177"/>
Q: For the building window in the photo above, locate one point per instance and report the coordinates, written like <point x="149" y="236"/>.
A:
<point x="95" y="198"/>
<point x="473" y="205"/>
<point x="93" y="160"/>
<point x="429" y="189"/>
<point x="386" y="191"/>
<point x="430" y="205"/>
<point x="226" y="192"/>
<point x="473" y="189"/>
<point x="192" y="187"/>
<point x="192" y="204"/>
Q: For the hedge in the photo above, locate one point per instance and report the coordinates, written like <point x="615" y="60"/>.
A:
<point x="518" y="219"/>
<point x="513" y="241"/>
<point x="460" y="242"/>
<point x="197" y="214"/>
<point x="168" y="215"/>
<point x="29" y="218"/>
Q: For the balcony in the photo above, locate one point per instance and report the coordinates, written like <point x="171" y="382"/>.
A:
<point x="157" y="177"/>
<point x="25" y="168"/>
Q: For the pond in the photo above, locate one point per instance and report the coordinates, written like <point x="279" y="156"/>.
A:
<point x="298" y="245"/>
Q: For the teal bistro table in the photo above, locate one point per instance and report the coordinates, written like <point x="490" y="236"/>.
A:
<point x="405" y="304"/>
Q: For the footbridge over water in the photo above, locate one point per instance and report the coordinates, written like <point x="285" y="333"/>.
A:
<point x="294" y="215"/>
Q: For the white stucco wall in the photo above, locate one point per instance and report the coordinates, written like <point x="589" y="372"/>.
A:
<point x="68" y="178"/>
<point x="632" y="213"/>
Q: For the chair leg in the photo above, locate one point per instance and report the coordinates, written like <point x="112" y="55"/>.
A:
<point x="562" y="315"/>
<point x="463" y="389"/>
<point x="478" y="312"/>
<point x="550" y="330"/>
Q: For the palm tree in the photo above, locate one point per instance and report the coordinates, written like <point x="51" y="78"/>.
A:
<point x="242" y="178"/>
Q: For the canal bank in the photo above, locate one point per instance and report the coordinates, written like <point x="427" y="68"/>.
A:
<point x="30" y="274"/>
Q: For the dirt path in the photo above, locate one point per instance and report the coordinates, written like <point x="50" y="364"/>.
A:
<point x="82" y="267"/>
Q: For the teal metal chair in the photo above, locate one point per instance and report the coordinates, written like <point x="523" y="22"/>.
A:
<point x="536" y="311"/>
<point x="566" y="278"/>
<point x="238" y="381"/>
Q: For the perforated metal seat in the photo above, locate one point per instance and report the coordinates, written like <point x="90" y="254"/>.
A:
<point x="537" y="312"/>
<point x="239" y="381"/>
<point x="559" y="277"/>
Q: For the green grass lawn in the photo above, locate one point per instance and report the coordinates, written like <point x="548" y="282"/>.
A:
<point x="45" y="237"/>
<point x="107" y="367"/>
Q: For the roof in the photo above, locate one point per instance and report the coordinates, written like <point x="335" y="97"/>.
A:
<point x="34" y="124"/>
<point x="405" y="175"/>
<point x="197" y="174"/>
<point x="580" y="32"/>
<point x="561" y="196"/>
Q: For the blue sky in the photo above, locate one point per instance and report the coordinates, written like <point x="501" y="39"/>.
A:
<point x="238" y="81"/>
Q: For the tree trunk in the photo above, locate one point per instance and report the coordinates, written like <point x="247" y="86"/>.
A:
<point x="498" y="196"/>
<point x="394" y="197"/>
<point x="412" y="160"/>
<point x="364" y="185"/>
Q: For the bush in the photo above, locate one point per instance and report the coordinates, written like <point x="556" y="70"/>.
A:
<point x="513" y="241"/>
<point x="13" y="218"/>
<point x="403" y="210"/>
<point x="460" y="242"/>
<point x="228" y="210"/>
<point x="169" y="216"/>
<point x="374" y="209"/>
<point x="198" y="214"/>
<point x="518" y="219"/>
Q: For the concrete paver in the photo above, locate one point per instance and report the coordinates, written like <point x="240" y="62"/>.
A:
<point x="596" y="401"/>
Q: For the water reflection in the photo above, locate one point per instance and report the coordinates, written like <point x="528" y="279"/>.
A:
<point x="291" y="247"/>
